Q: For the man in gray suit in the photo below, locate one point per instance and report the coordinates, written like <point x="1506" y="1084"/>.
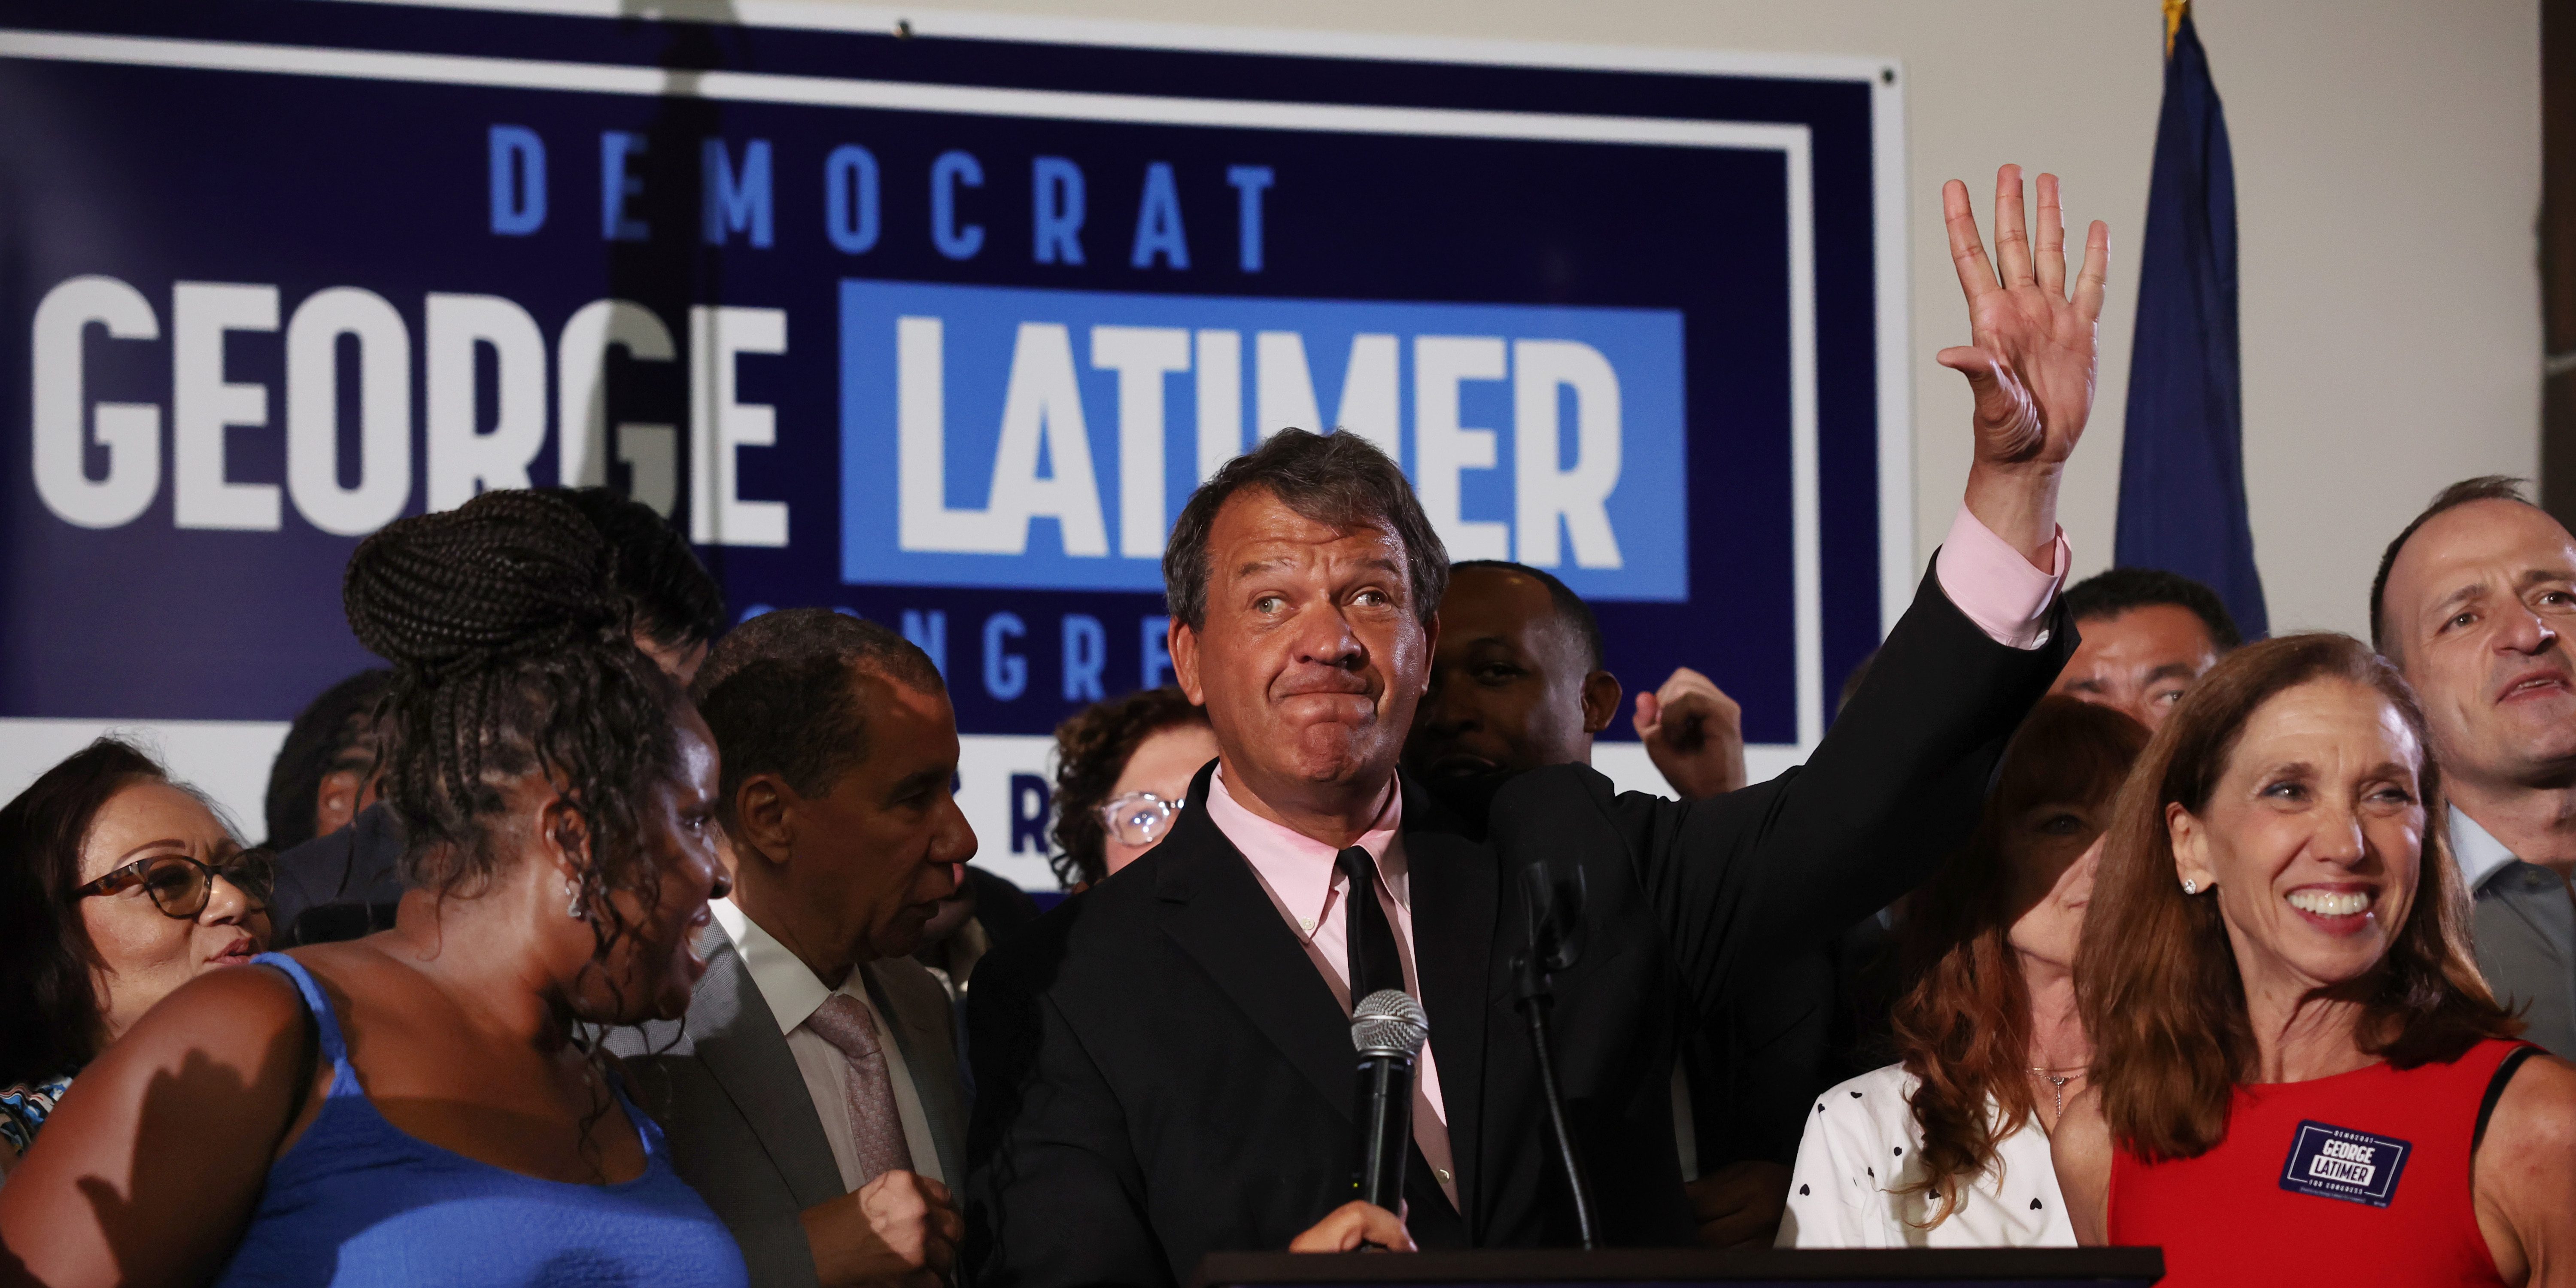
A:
<point x="2473" y="602"/>
<point x="811" y="1094"/>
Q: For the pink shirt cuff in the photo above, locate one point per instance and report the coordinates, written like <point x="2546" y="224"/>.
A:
<point x="1995" y="586"/>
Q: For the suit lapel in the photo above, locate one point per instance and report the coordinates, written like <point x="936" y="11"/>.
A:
<point x="932" y="1061"/>
<point x="1215" y="909"/>
<point x="1452" y="882"/>
<point x="736" y="1037"/>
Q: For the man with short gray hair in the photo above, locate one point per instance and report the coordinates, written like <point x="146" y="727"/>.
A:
<point x="2473" y="602"/>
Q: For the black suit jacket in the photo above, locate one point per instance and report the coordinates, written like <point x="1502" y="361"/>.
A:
<point x="1004" y="909"/>
<point x="341" y="886"/>
<point x="1163" y="1073"/>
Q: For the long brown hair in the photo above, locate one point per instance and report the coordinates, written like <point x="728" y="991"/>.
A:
<point x="2156" y="981"/>
<point x="1962" y="1027"/>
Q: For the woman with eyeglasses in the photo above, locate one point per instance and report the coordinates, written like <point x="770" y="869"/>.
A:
<point x="1123" y="768"/>
<point x="116" y="887"/>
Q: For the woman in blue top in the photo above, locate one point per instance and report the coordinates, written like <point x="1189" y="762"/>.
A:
<point x="421" y="1106"/>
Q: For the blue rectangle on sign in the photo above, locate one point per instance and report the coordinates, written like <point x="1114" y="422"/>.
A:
<point x="2340" y="1163"/>
<point x="1046" y="439"/>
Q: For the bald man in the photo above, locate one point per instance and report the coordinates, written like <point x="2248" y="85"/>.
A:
<point x="2473" y="602"/>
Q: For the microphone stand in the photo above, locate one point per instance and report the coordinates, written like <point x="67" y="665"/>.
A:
<point x="1554" y="910"/>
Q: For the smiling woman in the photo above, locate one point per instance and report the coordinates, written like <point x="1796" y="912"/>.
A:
<point x="2288" y="1031"/>
<point x="116" y="887"/>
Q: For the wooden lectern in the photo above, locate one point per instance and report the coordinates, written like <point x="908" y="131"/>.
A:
<point x="1672" y="1268"/>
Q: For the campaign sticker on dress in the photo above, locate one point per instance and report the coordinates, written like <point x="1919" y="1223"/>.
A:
<point x="2340" y="1163"/>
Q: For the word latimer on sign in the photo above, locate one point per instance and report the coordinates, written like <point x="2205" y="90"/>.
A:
<point x="1043" y="438"/>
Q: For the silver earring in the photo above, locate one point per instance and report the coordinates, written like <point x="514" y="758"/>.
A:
<point x="572" y="888"/>
<point x="2189" y="888"/>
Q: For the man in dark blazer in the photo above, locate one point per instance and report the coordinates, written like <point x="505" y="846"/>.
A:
<point x="811" y="1094"/>
<point x="743" y="1129"/>
<point x="1164" y="1064"/>
<point x="1517" y="684"/>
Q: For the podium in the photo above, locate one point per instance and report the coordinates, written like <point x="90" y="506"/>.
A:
<point x="1673" y="1267"/>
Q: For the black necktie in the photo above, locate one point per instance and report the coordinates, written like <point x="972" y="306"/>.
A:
<point x="1373" y="961"/>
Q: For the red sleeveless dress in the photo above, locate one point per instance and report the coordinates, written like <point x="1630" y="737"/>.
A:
<point x="2361" y="1178"/>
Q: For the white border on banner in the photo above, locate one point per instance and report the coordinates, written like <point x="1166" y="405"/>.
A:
<point x="254" y="742"/>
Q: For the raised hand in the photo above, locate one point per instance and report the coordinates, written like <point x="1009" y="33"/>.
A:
<point x="2031" y="357"/>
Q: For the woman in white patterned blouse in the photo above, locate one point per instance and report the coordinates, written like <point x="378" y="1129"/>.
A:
<point x="1948" y="1147"/>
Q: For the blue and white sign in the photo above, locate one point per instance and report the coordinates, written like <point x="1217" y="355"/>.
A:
<point x="1523" y="427"/>
<point x="936" y="322"/>
<point x="2331" y="1162"/>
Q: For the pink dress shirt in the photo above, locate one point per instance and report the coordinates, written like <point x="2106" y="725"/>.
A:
<point x="1995" y="587"/>
<point x="1984" y="577"/>
<point x="1308" y="888"/>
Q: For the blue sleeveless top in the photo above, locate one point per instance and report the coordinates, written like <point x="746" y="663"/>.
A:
<point x="358" y="1200"/>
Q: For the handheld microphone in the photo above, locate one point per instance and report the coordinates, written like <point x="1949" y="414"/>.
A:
<point x="1389" y="1029"/>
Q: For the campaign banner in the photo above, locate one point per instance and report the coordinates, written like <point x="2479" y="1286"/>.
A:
<point x="934" y="321"/>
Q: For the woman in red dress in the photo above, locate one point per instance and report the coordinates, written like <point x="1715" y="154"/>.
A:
<point x="2299" y="1077"/>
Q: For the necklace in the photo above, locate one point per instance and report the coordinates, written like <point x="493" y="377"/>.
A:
<point x="2057" y="1080"/>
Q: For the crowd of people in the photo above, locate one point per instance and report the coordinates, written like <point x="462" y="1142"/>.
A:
<point x="592" y="942"/>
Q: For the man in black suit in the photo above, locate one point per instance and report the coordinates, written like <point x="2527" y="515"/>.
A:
<point x="1165" y="1064"/>
<point x="1517" y="684"/>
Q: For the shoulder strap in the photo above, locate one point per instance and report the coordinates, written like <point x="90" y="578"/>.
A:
<point x="2495" y="1091"/>
<point x="326" y="1023"/>
<point x="621" y="1086"/>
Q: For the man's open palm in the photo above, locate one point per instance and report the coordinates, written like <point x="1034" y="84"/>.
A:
<point x="2031" y="354"/>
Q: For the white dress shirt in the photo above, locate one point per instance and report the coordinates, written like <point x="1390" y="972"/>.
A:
<point x="2476" y="851"/>
<point x="793" y="995"/>
<point x="1863" y="1144"/>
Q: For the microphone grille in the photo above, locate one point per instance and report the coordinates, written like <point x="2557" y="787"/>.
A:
<point x="1389" y="1022"/>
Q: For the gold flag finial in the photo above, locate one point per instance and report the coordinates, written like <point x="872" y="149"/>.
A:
<point x="2175" y="12"/>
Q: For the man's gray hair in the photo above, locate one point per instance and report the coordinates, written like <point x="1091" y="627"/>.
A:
<point x="1340" y="479"/>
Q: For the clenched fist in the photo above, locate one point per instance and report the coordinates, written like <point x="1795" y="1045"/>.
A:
<point x="1694" y="733"/>
<point x="900" y="1228"/>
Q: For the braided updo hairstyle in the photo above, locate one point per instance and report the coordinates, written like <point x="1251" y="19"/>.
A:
<point x="512" y="654"/>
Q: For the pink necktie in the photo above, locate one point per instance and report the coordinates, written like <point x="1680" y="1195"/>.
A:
<point x="875" y="1127"/>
